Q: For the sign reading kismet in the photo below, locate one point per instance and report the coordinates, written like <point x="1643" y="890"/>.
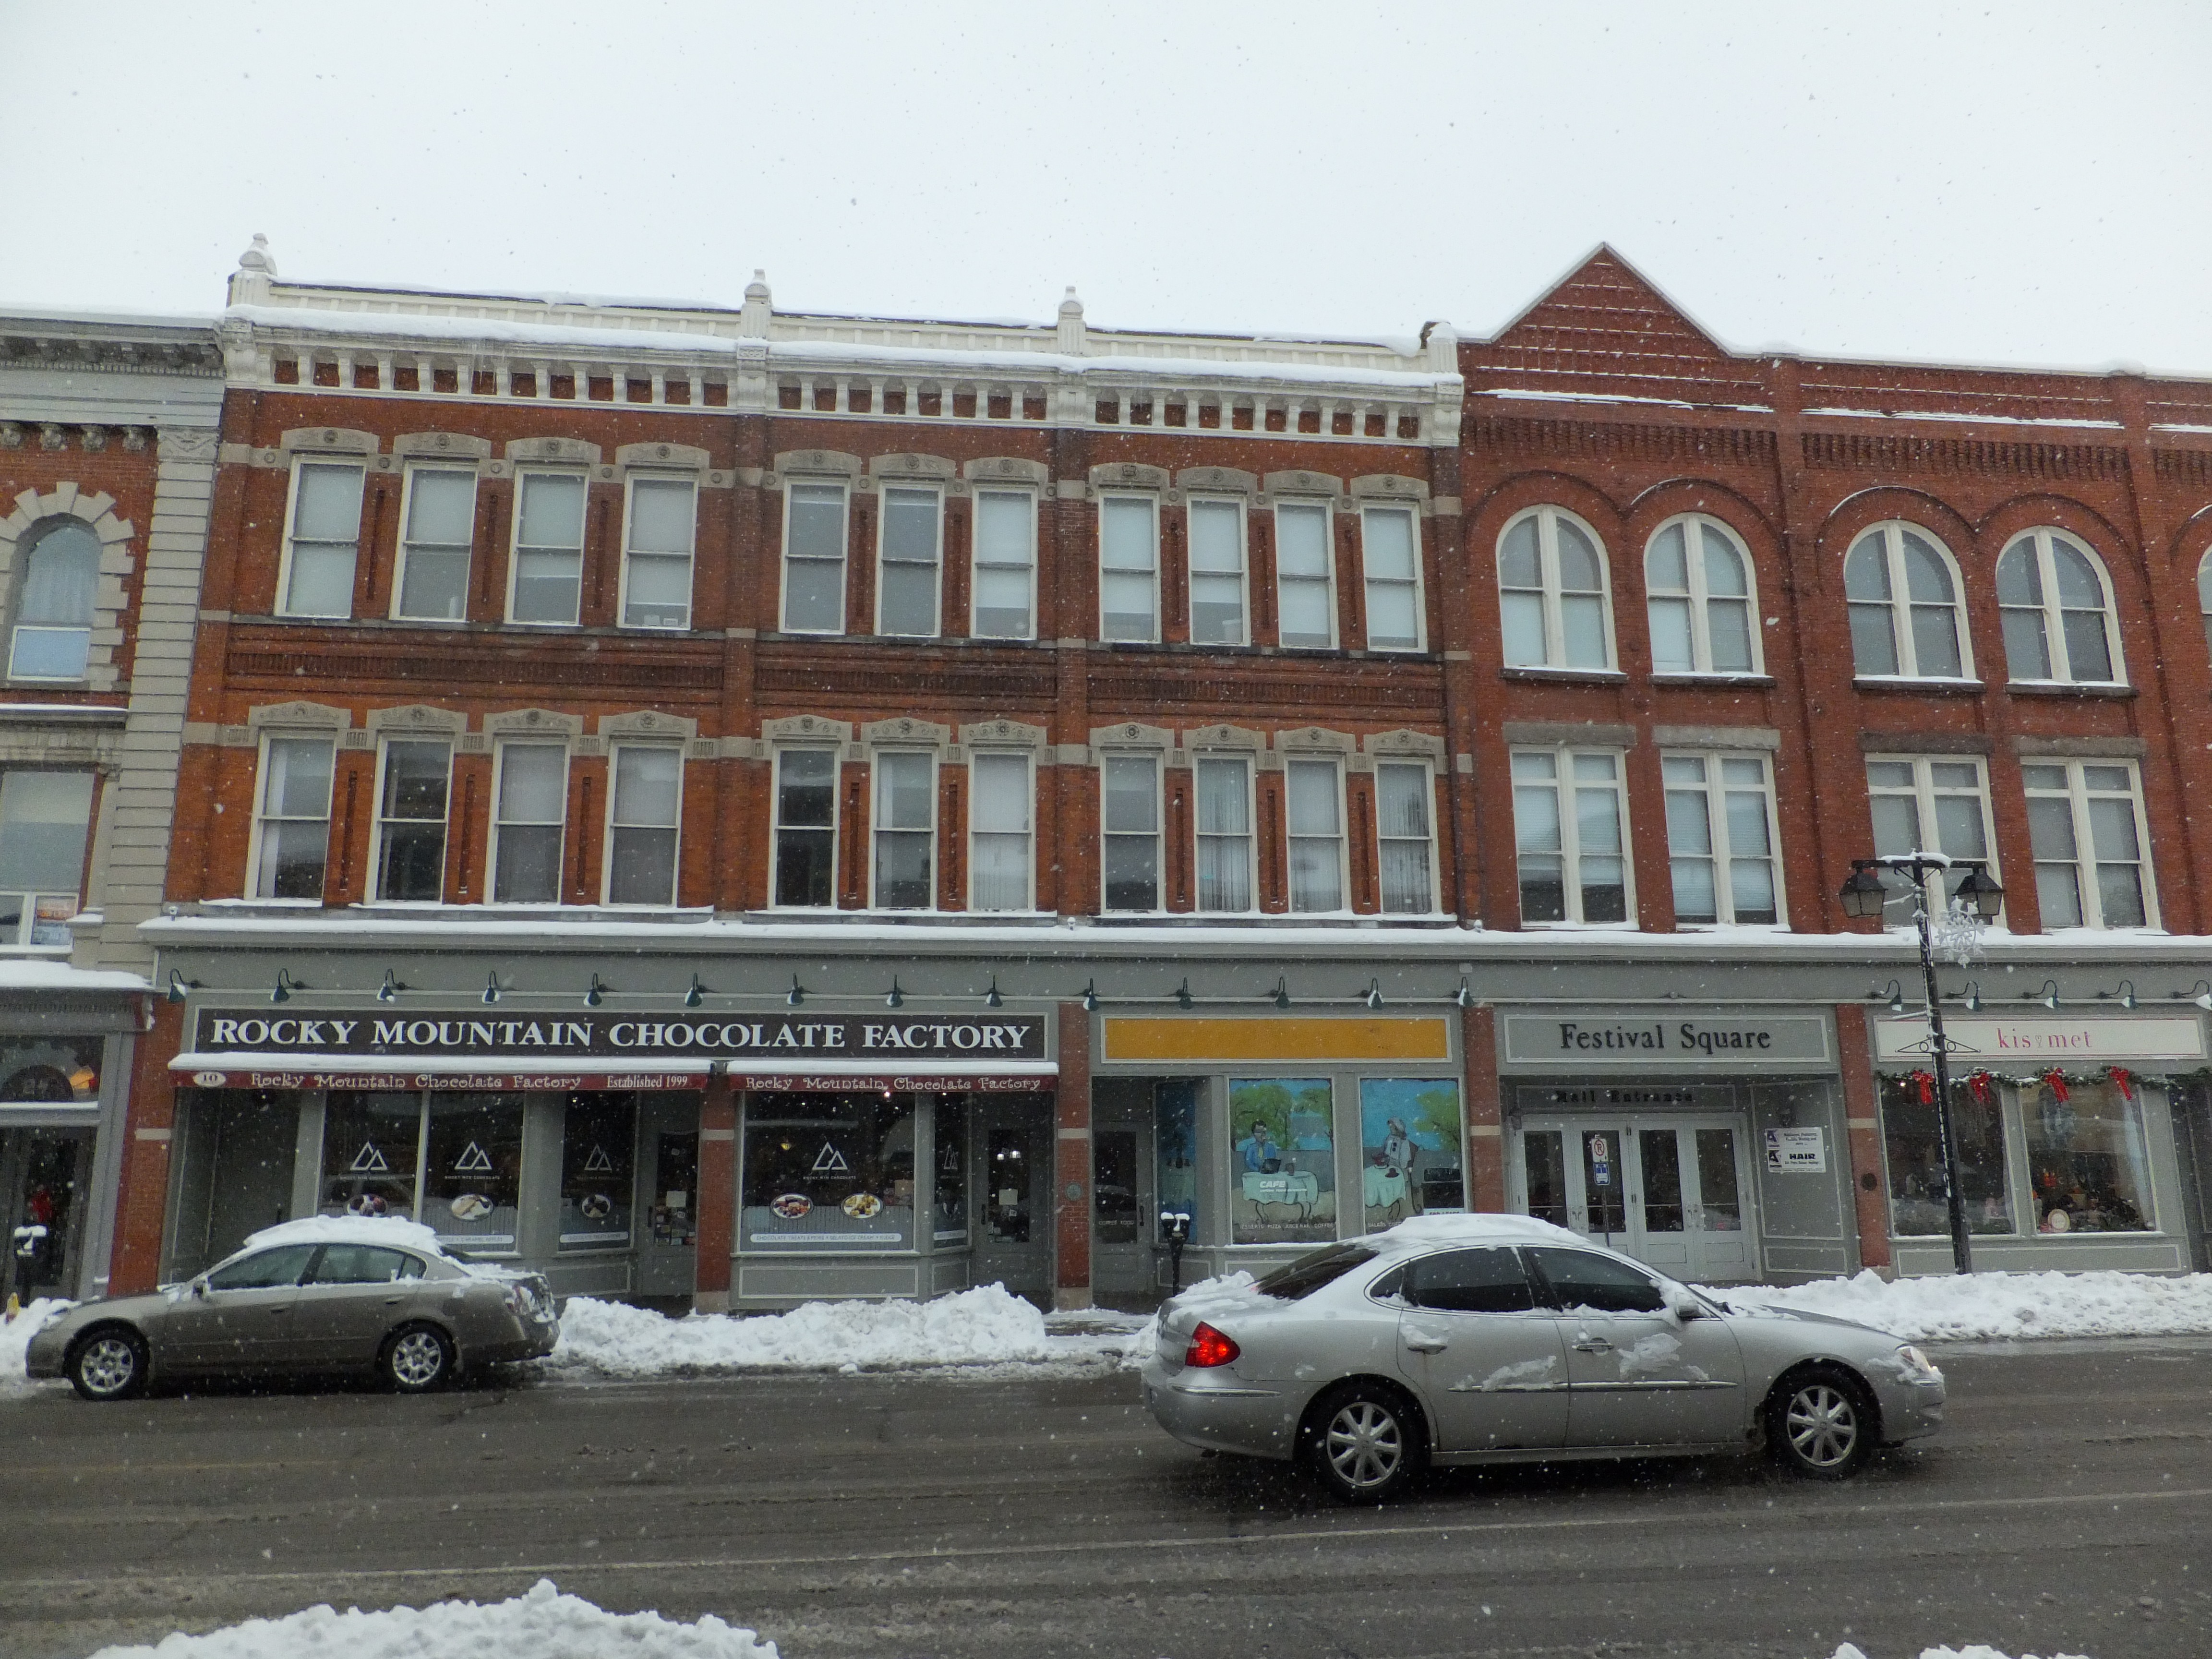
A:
<point x="1596" y="1038"/>
<point x="1000" y="1037"/>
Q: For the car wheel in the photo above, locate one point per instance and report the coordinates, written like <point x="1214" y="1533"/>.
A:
<point x="418" y="1358"/>
<point x="1820" y="1422"/>
<point x="109" y="1363"/>
<point x="1365" y="1443"/>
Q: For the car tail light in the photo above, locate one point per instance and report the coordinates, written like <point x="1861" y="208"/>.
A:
<point x="1209" y="1347"/>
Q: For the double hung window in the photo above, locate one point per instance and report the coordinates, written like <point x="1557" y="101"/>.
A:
<point x="1552" y="593"/>
<point x="1697" y="577"/>
<point x="1306" y="586"/>
<point x="293" y="826"/>
<point x="1570" y="828"/>
<point x="644" y="808"/>
<point x="1315" y="791"/>
<point x="2057" y="612"/>
<point x="46" y="819"/>
<point x="1390" y="552"/>
<point x="325" y="539"/>
<point x="548" y="549"/>
<point x="906" y="831"/>
<point x="1005" y="565"/>
<point x="434" y="550"/>
<point x="2085" y="826"/>
<point x="1935" y="804"/>
<point x="1130" y="787"/>
<point x="1225" y="834"/>
<point x="1903" y="592"/>
<point x="806" y="827"/>
<point x="1128" y="568"/>
<point x="907" y="575"/>
<point x="1000" y="804"/>
<point x="1405" y="819"/>
<point x="656" y="586"/>
<point x="1217" y="573"/>
<point x="532" y="793"/>
<point x="814" y="558"/>
<point x="410" y="820"/>
<point x="53" y="636"/>
<point x="1721" y="840"/>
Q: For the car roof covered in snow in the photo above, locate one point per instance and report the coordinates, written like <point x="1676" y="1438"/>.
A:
<point x="1424" y="1232"/>
<point x="388" y="1231"/>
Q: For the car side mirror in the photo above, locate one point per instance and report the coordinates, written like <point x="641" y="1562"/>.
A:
<point x="199" y="1289"/>
<point x="1686" y="1308"/>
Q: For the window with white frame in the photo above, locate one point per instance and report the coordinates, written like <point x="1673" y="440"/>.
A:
<point x="1701" y="599"/>
<point x="905" y="799"/>
<point x="2085" y="825"/>
<point x="1128" y="567"/>
<point x="46" y="821"/>
<point x="805" y="828"/>
<point x="1217" y="572"/>
<point x="659" y="528"/>
<point x="412" y="796"/>
<point x="1906" y="619"/>
<point x="1129" y="786"/>
<point x="2056" y="608"/>
<point x="548" y="583"/>
<point x="644" y="810"/>
<point x="1721" y="840"/>
<point x="1001" y="804"/>
<point x="910" y="535"/>
<point x="1390" y="558"/>
<point x="1929" y="803"/>
<point x="532" y="791"/>
<point x="1305" y="576"/>
<point x="1569" y="818"/>
<point x="814" y="558"/>
<point x="1553" y="598"/>
<point x="54" y="603"/>
<point x="292" y="820"/>
<point x="438" y="528"/>
<point x="323" y="540"/>
<point x="1224" y="833"/>
<point x="1004" y="561"/>
<point x="1315" y="792"/>
<point x="1405" y="831"/>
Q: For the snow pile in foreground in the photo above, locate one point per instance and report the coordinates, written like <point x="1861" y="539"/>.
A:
<point x="1967" y="1307"/>
<point x="982" y="1326"/>
<point x="15" y="1336"/>
<point x="1972" y="1650"/>
<point x="543" y="1624"/>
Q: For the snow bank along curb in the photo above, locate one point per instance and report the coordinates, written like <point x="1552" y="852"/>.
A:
<point x="1972" y="1650"/>
<point x="15" y="1336"/>
<point x="1969" y="1307"/>
<point x="544" y="1623"/>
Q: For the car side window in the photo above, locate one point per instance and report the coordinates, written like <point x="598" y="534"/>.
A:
<point x="1488" y="1281"/>
<point x="264" y="1270"/>
<point x="1581" y="1278"/>
<point x="363" y="1264"/>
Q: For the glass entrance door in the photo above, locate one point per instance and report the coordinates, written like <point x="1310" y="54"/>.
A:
<point x="1013" y="1189"/>
<point x="1671" y="1191"/>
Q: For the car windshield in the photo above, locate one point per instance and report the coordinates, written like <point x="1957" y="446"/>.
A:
<point x="1310" y="1272"/>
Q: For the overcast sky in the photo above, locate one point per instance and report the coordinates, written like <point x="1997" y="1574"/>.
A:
<point x="2019" y="181"/>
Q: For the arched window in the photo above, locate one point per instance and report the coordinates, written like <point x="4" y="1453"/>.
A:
<point x="52" y="635"/>
<point x="1551" y="593"/>
<point x="1698" y="578"/>
<point x="2058" y="612"/>
<point x="1904" y="597"/>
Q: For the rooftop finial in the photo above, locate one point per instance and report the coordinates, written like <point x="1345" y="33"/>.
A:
<point x="1071" y="306"/>
<point x="757" y="289"/>
<point x="256" y="258"/>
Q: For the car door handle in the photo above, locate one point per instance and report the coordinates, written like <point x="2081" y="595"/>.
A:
<point x="1593" y="1345"/>
<point x="1427" y="1344"/>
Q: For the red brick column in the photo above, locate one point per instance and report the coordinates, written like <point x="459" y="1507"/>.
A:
<point x="142" y="1200"/>
<point x="1485" y="1124"/>
<point x="718" y="1195"/>
<point x="1863" y="1128"/>
<point x="1071" y="1162"/>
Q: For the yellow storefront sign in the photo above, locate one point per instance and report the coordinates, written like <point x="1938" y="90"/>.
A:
<point x="1278" y="1040"/>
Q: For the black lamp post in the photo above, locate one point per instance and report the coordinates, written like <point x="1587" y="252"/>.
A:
<point x="1862" y="895"/>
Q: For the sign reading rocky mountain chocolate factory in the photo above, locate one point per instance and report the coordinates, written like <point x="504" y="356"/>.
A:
<point x="897" y="1039"/>
<point x="1599" y="1039"/>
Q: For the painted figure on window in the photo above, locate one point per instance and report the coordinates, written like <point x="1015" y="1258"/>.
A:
<point x="1260" y="1152"/>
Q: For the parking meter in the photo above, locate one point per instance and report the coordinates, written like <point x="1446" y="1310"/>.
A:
<point x="1175" y="1228"/>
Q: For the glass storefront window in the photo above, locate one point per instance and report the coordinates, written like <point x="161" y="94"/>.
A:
<point x="472" y="1179"/>
<point x="1918" y="1200"/>
<point x="2086" y="1165"/>
<point x="951" y="1127"/>
<point x="1114" y="1186"/>
<point x="50" y="1071"/>
<point x="828" y="1172"/>
<point x="1409" y="1149"/>
<point x="371" y="1144"/>
<point x="1544" y="1153"/>
<point x="598" y="1143"/>
<point x="1283" y="1160"/>
<point x="1175" y="1170"/>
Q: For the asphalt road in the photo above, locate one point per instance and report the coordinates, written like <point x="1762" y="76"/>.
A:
<point x="2068" y="1508"/>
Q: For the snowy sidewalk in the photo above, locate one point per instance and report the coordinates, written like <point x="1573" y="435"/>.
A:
<point x="1999" y="1307"/>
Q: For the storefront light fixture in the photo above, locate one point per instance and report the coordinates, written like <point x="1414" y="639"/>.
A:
<point x="897" y="997"/>
<point x="389" y="990"/>
<point x="2200" y="993"/>
<point x="1374" y="997"/>
<point x="285" y="986"/>
<point x="697" y="994"/>
<point x="1464" y="997"/>
<point x="491" y="990"/>
<point x="2126" y="994"/>
<point x="2048" y="996"/>
<point x="1182" y="993"/>
<point x="796" y="995"/>
<point x="179" y="985"/>
<point x="1974" y="996"/>
<point x="1281" y="998"/>
<point x="594" y="994"/>
<point x="1089" y="996"/>
<point x="991" y="998"/>
<point x="1895" y="995"/>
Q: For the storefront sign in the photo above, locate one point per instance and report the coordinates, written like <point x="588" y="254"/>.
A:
<point x="1996" y="1043"/>
<point x="899" y="1083"/>
<point x="1676" y="1040"/>
<point x="1289" y="1041"/>
<point x="1796" y="1152"/>
<point x="468" y="1082"/>
<point x="1625" y="1096"/>
<point x="891" y="1039"/>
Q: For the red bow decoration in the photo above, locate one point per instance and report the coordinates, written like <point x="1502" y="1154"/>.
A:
<point x="1926" y="1081"/>
<point x="2054" y="1081"/>
<point x="1977" y="1084"/>
<point x="2120" y="1076"/>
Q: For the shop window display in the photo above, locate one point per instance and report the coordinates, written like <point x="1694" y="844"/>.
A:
<point x="1409" y="1149"/>
<point x="472" y="1177"/>
<point x="372" y="1145"/>
<point x="2086" y="1165"/>
<point x="1283" y="1163"/>
<point x="50" y="1071"/>
<point x="950" y="1226"/>
<point x="1175" y="1171"/>
<point x="598" y="1140"/>
<point x="1919" y="1204"/>
<point x="829" y="1172"/>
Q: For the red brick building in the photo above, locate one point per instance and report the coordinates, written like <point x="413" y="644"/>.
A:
<point x="744" y="806"/>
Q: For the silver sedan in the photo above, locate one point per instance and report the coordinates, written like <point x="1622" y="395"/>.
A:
<point x="1498" y="1338"/>
<point x="306" y="1298"/>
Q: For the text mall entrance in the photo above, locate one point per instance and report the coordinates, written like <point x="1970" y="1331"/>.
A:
<point x="1673" y="1190"/>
